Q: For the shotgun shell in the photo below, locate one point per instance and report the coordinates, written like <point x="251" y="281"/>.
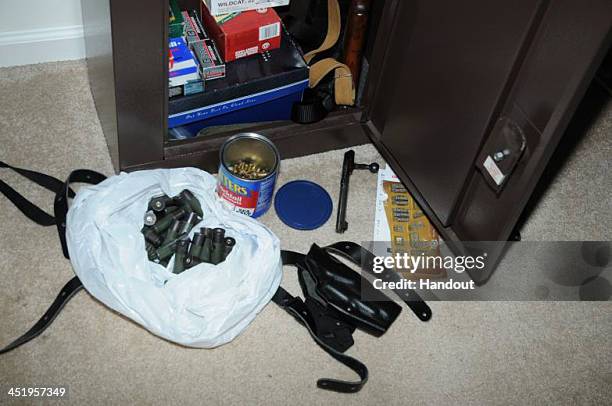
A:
<point x="173" y="231"/>
<point x="151" y="252"/>
<point x="189" y="202"/>
<point x="218" y="246"/>
<point x="164" y="223"/>
<point x="166" y="251"/>
<point x="207" y="246"/>
<point x="159" y="203"/>
<point x="150" y="218"/>
<point x="193" y="202"/>
<point x="196" y="245"/>
<point x="170" y="209"/>
<point x="195" y="249"/>
<point x="190" y="262"/>
<point x="151" y="236"/>
<point x="229" y="244"/>
<point x="188" y="224"/>
<point x="179" y="258"/>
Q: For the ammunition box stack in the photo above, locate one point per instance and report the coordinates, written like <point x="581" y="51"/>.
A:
<point x="168" y="222"/>
<point x="189" y="42"/>
<point x="248" y="69"/>
<point x="204" y="48"/>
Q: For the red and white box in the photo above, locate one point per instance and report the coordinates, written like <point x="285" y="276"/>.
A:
<point x="243" y="34"/>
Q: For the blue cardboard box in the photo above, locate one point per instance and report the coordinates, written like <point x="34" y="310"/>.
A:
<point x="277" y="109"/>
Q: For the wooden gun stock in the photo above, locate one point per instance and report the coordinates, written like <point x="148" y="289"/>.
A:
<point x="355" y="36"/>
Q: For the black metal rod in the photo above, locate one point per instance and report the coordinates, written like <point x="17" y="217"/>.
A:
<point x="347" y="170"/>
<point x="348" y="166"/>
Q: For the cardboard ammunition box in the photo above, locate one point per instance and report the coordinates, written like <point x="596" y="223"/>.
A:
<point x="243" y="34"/>
<point x="219" y="7"/>
<point x="203" y="47"/>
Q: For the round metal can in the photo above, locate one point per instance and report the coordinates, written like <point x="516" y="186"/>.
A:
<point x="252" y="197"/>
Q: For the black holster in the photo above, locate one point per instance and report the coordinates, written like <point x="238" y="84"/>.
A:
<point x="338" y="300"/>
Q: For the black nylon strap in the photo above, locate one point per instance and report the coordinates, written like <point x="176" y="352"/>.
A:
<point x="60" y="206"/>
<point x="67" y="292"/>
<point x="46" y="181"/>
<point x="29" y="209"/>
<point x="291" y="257"/>
<point x="296" y="307"/>
<point x="63" y="193"/>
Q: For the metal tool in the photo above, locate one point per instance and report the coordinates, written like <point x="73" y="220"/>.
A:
<point x="348" y="167"/>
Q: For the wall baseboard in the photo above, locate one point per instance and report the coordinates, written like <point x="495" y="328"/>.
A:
<point x="42" y="45"/>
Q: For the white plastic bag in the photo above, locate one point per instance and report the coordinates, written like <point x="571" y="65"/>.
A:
<point x="205" y="306"/>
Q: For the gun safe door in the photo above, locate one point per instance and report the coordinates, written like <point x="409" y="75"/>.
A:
<point x="460" y="82"/>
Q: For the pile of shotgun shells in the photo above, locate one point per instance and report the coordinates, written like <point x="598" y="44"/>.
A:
<point x="169" y="220"/>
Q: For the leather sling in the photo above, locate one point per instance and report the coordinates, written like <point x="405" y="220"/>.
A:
<point x="313" y="109"/>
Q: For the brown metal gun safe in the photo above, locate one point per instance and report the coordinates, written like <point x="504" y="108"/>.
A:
<point x="450" y="84"/>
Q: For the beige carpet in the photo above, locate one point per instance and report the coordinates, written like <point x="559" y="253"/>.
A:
<point x="469" y="353"/>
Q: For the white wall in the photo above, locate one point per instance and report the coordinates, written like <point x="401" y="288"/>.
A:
<point x="35" y="31"/>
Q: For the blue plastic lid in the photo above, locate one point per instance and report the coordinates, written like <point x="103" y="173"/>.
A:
<point x="303" y="205"/>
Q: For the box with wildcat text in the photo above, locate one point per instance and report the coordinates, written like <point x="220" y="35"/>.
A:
<point x="218" y="7"/>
